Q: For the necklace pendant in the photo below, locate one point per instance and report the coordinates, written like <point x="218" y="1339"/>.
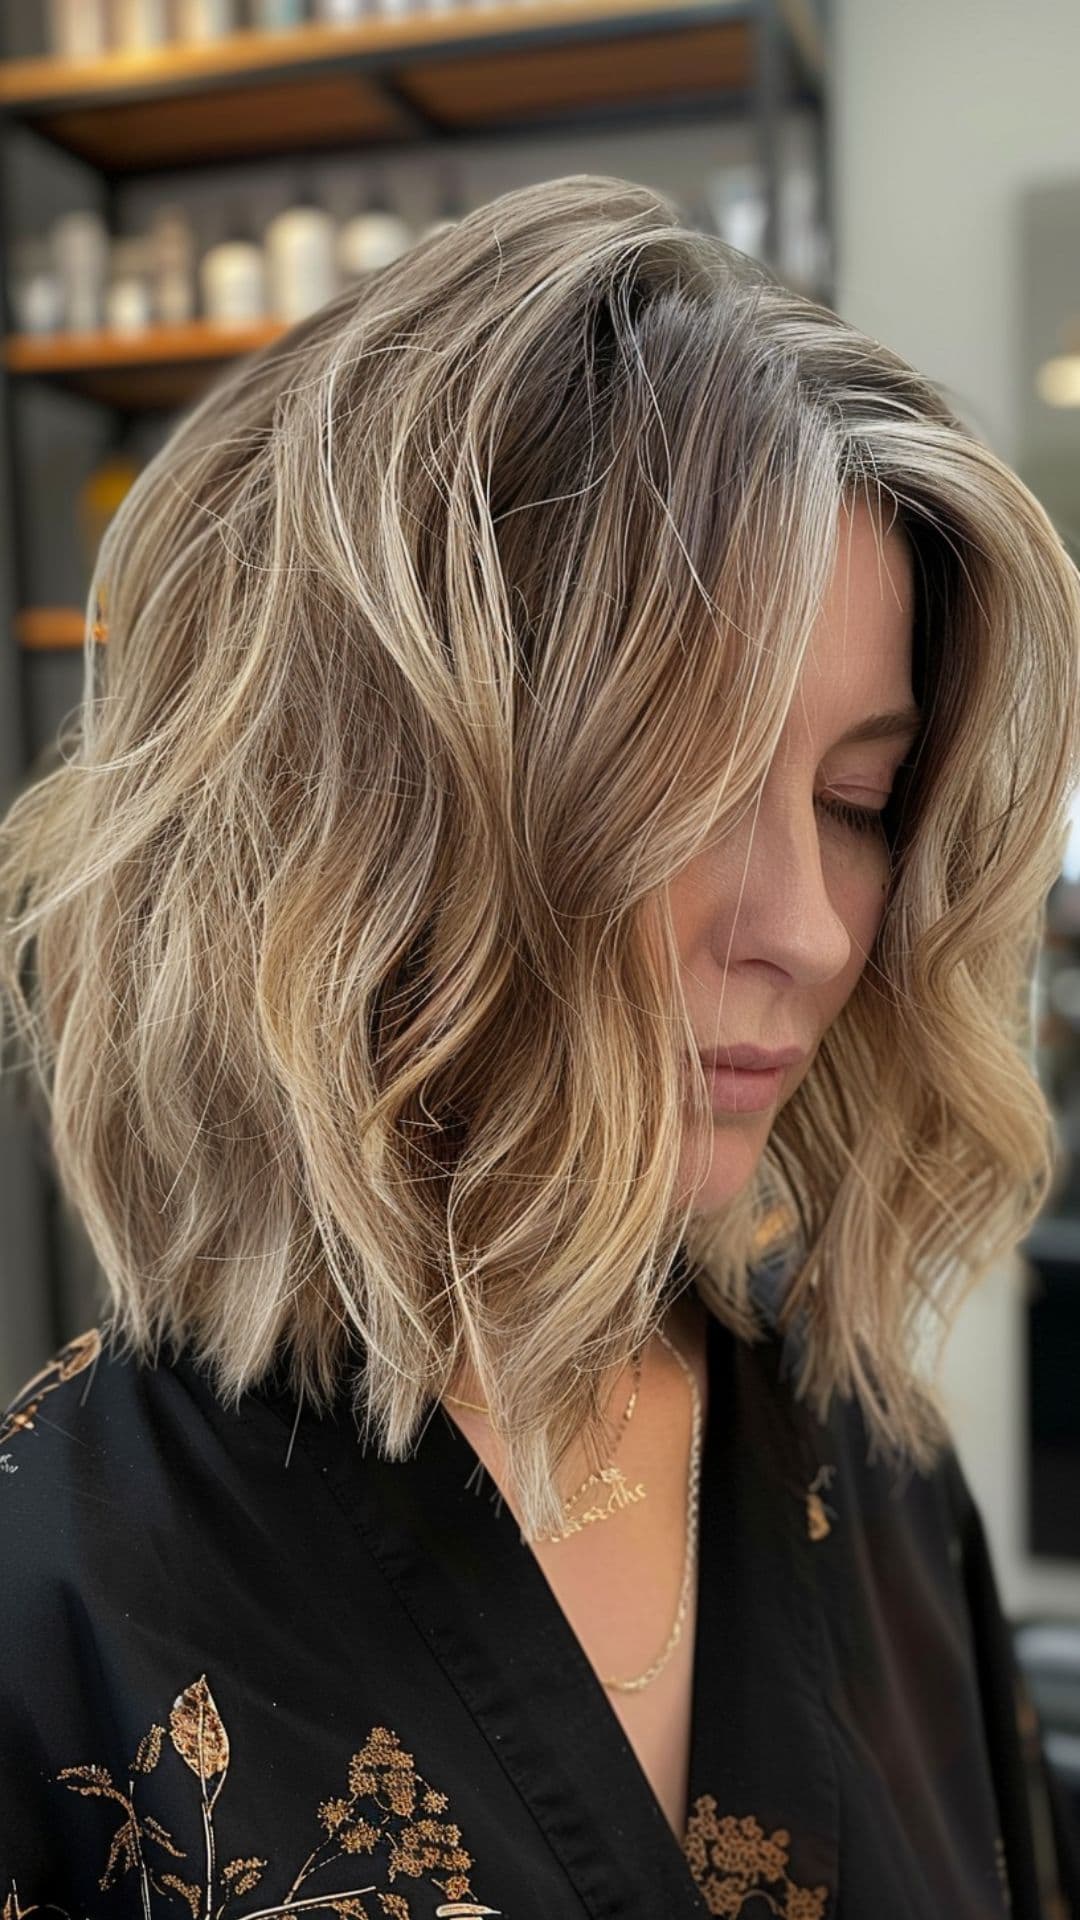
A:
<point x="621" y="1495"/>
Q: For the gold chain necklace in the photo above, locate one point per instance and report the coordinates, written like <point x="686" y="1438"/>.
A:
<point x="605" y="1474"/>
<point x="693" y="1505"/>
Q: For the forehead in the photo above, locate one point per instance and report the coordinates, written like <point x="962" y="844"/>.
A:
<point x="860" y="647"/>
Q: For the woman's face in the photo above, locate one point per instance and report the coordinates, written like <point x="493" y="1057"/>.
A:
<point x="788" y="904"/>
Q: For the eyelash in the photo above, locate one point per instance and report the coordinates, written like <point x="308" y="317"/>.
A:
<point x="858" y="819"/>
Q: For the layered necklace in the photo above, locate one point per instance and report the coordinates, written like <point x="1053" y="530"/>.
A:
<point x="615" y="1494"/>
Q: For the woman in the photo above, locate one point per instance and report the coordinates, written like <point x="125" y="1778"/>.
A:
<point x="507" y="1478"/>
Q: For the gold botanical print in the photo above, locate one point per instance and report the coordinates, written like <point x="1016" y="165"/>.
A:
<point x="387" y="1807"/>
<point x="734" y="1861"/>
<point x="817" y="1513"/>
<point x="21" y="1413"/>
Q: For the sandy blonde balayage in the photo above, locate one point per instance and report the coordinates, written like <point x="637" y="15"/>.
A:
<point x="440" y="635"/>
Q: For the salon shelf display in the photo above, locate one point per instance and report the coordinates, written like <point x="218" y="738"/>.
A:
<point x="157" y="366"/>
<point x="465" y="71"/>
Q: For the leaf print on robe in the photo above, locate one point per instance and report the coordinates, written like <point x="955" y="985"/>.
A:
<point x="21" y="1412"/>
<point x="735" y="1861"/>
<point x="387" y="1808"/>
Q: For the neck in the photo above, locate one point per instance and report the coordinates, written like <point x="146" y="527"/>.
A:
<point x="658" y="1417"/>
<point x="616" y="1384"/>
<point x="683" y="1323"/>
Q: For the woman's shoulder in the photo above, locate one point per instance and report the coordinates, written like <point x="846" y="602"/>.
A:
<point x="73" y="1421"/>
<point x="103" y="1449"/>
<point x="78" y="1442"/>
<point x="79" y="1454"/>
<point x="67" y="1420"/>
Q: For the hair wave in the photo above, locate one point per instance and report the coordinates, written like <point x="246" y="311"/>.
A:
<point x="441" y="634"/>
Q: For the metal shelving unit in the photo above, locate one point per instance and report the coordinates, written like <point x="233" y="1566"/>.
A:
<point x="499" y="73"/>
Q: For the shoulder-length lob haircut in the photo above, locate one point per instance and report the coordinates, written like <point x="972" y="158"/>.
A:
<point x="440" y="635"/>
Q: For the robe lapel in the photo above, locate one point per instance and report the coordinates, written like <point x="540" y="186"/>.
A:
<point x="762" y="1816"/>
<point x="454" y="1555"/>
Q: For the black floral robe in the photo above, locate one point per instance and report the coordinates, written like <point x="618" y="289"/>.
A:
<point x="249" y="1668"/>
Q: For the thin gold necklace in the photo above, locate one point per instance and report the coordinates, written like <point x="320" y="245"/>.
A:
<point x="605" y="1474"/>
<point x="693" y="1506"/>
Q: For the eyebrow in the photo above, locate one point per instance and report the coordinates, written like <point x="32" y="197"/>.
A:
<point x="890" y="725"/>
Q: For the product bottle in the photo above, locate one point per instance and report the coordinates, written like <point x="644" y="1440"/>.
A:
<point x="80" y="251"/>
<point x="37" y="299"/>
<point x="137" y="24"/>
<point x="232" y="276"/>
<point x="301" y="263"/>
<point x="205" y="19"/>
<point x="372" y="237"/>
<point x="736" y="197"/>
<point x="78" y="29"/>
<point x="127" y="296"/>
<point x="172" y="265"/>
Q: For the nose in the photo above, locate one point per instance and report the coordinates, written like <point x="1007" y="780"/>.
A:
<point x="788" y="898"/>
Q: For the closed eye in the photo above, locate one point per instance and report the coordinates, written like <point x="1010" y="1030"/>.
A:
<point x="859" y="819"/>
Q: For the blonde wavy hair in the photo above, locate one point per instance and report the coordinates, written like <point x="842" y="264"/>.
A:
<point x="440" y="636"/>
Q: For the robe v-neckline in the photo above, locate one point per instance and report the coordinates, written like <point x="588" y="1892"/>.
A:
<point x="453" y="1553"/>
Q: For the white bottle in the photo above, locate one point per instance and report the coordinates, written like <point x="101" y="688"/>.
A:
<point x="301" y="263"/>
<point x="340" y="12"/>
<point x="37" y="300"/>
<point x="371" y="238"/>
<point x="232" y="278"/>
<point x="204" y="19"/>
<point x="172" y="266"/>
<point x="137" y="24"/>
<point x="127" y="297"/>
<point x="78" y="29"/>
<point x="80" y="250"/>
<point x="736" y="198"/>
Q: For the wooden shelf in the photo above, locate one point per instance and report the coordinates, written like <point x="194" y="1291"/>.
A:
<point x="157" y="367"/>
<point x="50" y="629"/>
<point x="466" y="71"/>
<point x="469" y="71"/>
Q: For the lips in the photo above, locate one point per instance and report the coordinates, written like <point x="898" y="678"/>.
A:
<point x="738" y="1090"/>
<point x="750" y="1058"/>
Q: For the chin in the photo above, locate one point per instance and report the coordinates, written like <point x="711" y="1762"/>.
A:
<point x="727" y="1163"/>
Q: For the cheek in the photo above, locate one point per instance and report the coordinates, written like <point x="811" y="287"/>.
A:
<point x="860" y="896"/>
<point x="855" y="872"/>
